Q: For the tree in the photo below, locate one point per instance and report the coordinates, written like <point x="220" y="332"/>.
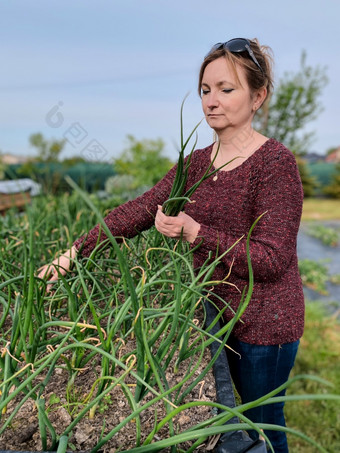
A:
<point x="44" y="168"/>
<point x="48" y="150"/>
<point x="144" y="161"/>
<point x="293" y="105"/>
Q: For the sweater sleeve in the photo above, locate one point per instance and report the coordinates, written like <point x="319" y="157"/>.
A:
<point x="130" y="218"/>
<point x="279" y="197"/>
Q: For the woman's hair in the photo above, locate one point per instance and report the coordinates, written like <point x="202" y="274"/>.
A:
<point x="255" y="77"/>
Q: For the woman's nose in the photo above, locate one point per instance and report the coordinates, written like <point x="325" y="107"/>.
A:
<point x="212" y="100"/>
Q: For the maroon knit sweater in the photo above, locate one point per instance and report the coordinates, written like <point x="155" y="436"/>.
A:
<point x="226" y="207"/>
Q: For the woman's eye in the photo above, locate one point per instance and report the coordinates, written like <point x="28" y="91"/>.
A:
<point x="228" y="90"/>
<point x="205" y="92"/>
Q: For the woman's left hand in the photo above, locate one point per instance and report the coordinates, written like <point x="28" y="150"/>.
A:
<point x="181" y="226"/>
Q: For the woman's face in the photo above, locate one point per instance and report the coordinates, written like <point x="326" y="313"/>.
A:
<point x="227" y="103"/>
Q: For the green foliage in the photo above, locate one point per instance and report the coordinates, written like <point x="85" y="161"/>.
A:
<point x="315" y="275"/>
<point x="48" y="150"/>
<point x="71" y="161"/>
<point x="333" y="189"/>
<point x="123" y="188"/>
<point x="293" y="105"/>
<point x="144" y="160"/>
<point x="328" y="236"/>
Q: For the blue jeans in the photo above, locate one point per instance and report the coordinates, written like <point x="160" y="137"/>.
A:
<point x="260" y="370"/>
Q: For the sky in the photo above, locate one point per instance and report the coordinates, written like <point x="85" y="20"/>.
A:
<point x="94" y="72"/>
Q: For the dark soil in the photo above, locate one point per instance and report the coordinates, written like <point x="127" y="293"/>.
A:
<point x="23" y="433"/>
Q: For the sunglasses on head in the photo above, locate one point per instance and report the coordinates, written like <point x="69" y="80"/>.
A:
<point x="236" y="45"/>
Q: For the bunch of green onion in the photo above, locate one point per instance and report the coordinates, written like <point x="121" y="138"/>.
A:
<point x="178" y="197"/>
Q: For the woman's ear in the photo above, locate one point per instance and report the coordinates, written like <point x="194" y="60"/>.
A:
<point x="259" y="97"/>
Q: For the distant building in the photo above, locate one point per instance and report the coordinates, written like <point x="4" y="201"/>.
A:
<point x="12" y="159"/>
<point x="334" y="156"/>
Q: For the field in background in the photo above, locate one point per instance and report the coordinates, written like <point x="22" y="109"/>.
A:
<point x="321" y="209"/>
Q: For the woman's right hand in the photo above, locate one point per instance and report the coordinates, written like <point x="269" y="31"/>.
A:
<point x="62" y="264"/>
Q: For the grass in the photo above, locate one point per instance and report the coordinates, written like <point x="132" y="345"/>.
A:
<point x="321" y="209"/>
<point x="318" y="355"/>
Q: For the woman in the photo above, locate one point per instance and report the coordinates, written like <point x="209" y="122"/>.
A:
<point x="234" y="81"/>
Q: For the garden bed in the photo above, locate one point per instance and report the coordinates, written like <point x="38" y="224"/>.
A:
<point x="128" y="319"/>
<point x="62" y="408"/>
